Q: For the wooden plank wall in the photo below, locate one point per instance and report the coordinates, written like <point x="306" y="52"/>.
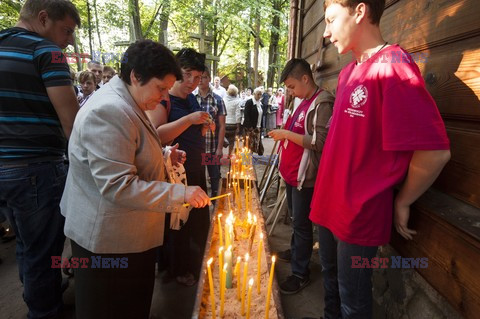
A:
<point x="446" y="35"/>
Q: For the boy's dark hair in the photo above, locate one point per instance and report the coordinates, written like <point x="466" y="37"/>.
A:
<point x="190" y="59"/>
<point x="376" y="7"/>
<point x="56" y="10"/>
<point x="296" y="68"/>
<point x="148" y="59"/>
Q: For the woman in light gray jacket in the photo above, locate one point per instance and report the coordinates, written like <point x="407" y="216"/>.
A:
<point x="116" y="197"/>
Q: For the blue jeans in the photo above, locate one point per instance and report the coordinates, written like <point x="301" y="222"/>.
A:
<point x="348" y="291"/>
<point x="302" y="236"/>
<point x="30" y="196"/>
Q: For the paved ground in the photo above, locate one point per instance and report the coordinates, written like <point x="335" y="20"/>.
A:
<point x="171" y="301"/>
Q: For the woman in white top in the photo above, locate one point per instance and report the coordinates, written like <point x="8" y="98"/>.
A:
<point x="233" y="104"/>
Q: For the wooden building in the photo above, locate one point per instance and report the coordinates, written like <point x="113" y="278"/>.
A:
<point x="445" y="37"/>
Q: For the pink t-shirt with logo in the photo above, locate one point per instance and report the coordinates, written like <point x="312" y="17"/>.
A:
<point x="292" y="153"/>
<point x="382" y="113"/>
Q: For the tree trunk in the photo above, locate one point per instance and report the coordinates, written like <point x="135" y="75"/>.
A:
<point x="248" y="62"/>
<point x="137" y="24"/>
<point x="216" y="38"/>
<point x="89" y="21"/>
<point x="77" y="54"/>
<point x="164" y="16"/>
<point x="273" y="47"/>
<point x="98" y="31"/>
<point x="256" y="49"/>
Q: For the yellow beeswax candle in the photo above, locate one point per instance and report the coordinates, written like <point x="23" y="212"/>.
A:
<point x="259" y="261"/>
<point x="237" y="275"/>
<point x="244" y="283"/>
<point x="269" y="290"/>
<point x="220" y="235"/>
<point x="220" y="264"/>
<point x="249" y="299"/>
<point x="222" y="289"/>
<point x="210" y="280"/>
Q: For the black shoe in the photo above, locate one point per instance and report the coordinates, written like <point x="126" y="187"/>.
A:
<point x="293" y="284"/>
<point x="285" y="255"/>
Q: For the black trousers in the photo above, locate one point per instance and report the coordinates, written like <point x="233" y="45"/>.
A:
<point x="184" y="248"/>
<point x="114" y="292"/>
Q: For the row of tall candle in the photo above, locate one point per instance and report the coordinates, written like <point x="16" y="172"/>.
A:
<point x="236" y="229"/>
<point x="232" y="232"/>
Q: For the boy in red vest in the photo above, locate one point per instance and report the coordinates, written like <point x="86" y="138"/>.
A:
<point x="386" y="130"/>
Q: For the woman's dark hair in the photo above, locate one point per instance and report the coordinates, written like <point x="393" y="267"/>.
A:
<point x="148" y="59"/>
<point x="190" y="59"/>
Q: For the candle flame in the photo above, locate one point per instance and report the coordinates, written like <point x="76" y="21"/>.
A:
<point x="261" y="235"/>
<point x="255" y="218"/>
<point x="250" y="282"/>
<point x="225" y="267"/>
<point x="230" y="248"/>
<point x="273" y="259"/>
<point x="239" y="259"/>
<point x="209" y="261"/>
<point x="220" y="250"/>
<point x="220" y="216"/>
<point x="246" y="257"/>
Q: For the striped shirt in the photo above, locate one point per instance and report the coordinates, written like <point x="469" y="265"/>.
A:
<point x="30" y="129"/>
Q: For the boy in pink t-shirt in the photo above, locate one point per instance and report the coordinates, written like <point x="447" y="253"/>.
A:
<point x="386" y="130"/>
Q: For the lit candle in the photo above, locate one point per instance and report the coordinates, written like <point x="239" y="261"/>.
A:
<point x="251" y="236"/>
<point x="220" y="235"/>
<point x="269" y="290"/>
<point x="259" y="261"/>
<point x="250" y="284"/>
<point x="228" y="199"/>
<point x="222" y="289"/>
<point x="244" y="283"/>
<point x="237" y="275"/>
<point x="210" y="280"/>
<point x="228" y="262"/>
<point x="245" y="191"/>
<point x="220" y="264"/>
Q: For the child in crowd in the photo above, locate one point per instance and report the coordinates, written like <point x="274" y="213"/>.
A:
<point x="87" y="85"/>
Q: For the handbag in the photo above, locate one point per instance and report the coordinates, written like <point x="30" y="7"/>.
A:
<point x="176" y="175"/>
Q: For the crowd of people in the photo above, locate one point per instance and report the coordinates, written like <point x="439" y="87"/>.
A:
<point x="135" y="157"/>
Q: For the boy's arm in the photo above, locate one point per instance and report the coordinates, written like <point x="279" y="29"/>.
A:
<point x="424" y="168"/>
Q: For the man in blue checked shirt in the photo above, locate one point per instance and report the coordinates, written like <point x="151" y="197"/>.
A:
<point x="37" y="110"/>
<point x="212" y="104"/>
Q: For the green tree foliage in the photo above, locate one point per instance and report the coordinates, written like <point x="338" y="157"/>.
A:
<point x="231" y="24"/>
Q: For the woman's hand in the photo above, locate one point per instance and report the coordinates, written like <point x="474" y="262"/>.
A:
<point x="196" y="197"/>
<point x="177" y="156"/>
<point x="199" y="117"/>
<point x="278" y="134"/>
